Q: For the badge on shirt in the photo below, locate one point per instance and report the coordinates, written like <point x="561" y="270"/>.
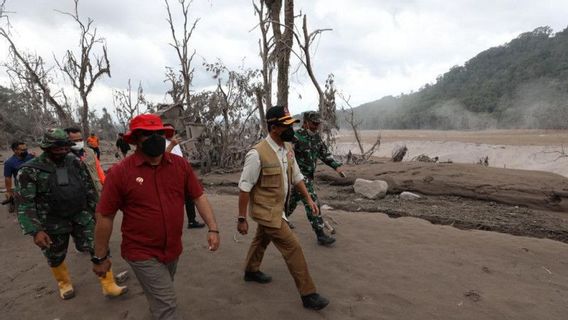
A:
<point x="140" y="180"/>
<point x="290" y="155"/>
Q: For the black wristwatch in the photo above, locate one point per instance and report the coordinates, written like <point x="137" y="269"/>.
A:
<point x="241" y="219"/>
<point x="97" y="260"/>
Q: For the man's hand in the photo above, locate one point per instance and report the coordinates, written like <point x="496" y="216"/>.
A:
<point x="213" y="240"/>
<point x="340" y="172"/>
<point x="101" y="269"/>
<point x="9" y="194"/>
<point x="314" y="207"/>
<point x="243" y="227"/>
<point x="42" y="240"/>
<point x="174" y="140"/>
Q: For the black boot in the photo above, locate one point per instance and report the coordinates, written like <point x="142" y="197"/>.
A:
<point x="314" y="301"/>
<point x="324" y="239"/>
<point x="257" y="276"/>
<point x="195" y="225"/>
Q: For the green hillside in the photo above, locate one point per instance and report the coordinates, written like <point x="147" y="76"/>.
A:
<point x="522" y="84"/>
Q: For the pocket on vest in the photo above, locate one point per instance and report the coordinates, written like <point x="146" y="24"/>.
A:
<point x="271" y="177"/>
<point x="262" y="207"/>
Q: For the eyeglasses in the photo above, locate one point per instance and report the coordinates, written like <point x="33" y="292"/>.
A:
<point x="147" y="133"/>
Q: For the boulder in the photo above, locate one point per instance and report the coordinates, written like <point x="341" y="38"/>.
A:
<point x="371" y="189"/>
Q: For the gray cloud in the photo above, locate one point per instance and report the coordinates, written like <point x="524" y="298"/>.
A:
<point x="376" y="48"/>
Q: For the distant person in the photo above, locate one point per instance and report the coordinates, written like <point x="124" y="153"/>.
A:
<point x="122" y="146"/>
<point x="172" y="146"/>
<point x="270" y="169"/>
<point x="56" y="200"/>
<point x="309" y="148"/>
<point x="11" y="167"/>
<point x="149" y="187"/>
<point x="93" y="143"/>
<point x="93" y="164"/>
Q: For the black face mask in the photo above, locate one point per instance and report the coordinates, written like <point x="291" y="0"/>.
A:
<point x="287" y="135"/>
<point x="154" y="146"/>
<point x="23" y="155"/>
<point x="57" y="157"/>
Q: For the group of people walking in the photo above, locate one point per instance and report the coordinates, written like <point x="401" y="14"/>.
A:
<point x="64" y="193"/>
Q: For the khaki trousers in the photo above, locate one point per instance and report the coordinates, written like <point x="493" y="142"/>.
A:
<point x="287" y="243"/>
<point x="157" y="281"/>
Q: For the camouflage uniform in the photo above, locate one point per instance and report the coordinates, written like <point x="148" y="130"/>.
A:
<point x="308" y="149"/>
<point x="34" y="214"/>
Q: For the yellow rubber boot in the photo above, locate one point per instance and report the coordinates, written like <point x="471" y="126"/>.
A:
<point x="110" y="288"/>
<point x="61" y="274"/>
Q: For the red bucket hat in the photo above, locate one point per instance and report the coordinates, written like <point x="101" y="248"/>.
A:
<point x="148" y="122"/>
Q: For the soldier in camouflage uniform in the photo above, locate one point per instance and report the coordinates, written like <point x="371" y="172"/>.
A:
<point x="308" y="148"/>
<point x="56" y="199"/>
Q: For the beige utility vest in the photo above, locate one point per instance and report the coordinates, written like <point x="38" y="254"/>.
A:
<point x="268" y="197"/>
<point x="91" y="164"/>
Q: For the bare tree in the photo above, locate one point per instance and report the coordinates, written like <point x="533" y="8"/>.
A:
<point x="82" y="70"/>
<point x="29" y="73"/>
<point x="86" y="68"/>
<point x="126" y="108"/>
<point x="230" y="111"/>
<point x="181" y="47"/>
<point x="354" y="124"/>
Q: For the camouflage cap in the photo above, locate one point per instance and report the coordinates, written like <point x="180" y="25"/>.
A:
<point x="55" y="137"/>
<point x="312" y="116"/>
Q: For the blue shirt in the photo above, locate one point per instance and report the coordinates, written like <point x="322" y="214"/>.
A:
<point x="12" y="165"/>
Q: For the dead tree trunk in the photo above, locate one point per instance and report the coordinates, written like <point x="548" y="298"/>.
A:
<point x="267" y="66"/>
<point x="283" y="44"/>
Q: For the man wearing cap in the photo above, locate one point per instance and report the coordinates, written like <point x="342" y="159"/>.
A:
<point x="150" y="187"/>
<point x="269" y="172"/>
<point x="308" y="148"/>
<point x="56" y="199"/>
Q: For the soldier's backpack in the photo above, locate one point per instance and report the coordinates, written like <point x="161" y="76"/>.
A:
<point x="67" y="194"/>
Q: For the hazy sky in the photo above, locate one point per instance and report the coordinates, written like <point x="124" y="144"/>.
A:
<point x="376" y="47"/>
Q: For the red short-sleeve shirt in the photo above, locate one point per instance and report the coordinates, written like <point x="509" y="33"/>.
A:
<point x="152" y="200"/>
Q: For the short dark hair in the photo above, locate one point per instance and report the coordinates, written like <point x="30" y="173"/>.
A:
<point x="72" y="130"/>
<point x="16" y="144"/>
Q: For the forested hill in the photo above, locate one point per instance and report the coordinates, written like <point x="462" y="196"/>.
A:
<point x="522" y="84"/>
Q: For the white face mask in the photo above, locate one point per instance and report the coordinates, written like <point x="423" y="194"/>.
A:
<point x="78" y="146"/>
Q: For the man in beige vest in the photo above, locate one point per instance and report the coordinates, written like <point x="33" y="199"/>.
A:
<point x="269" y="172"/>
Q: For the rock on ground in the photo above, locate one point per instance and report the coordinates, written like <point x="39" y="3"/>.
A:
<point x="371" y="189"/>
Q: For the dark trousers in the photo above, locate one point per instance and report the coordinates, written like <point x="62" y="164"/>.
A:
<point x="97" y="151"/>
<point x="190" y="210"/>
<point x="287" y="243"/>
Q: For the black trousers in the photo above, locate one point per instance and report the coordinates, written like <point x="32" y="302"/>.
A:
<point x="190" y="210"/>
<point x="98" y="152"/>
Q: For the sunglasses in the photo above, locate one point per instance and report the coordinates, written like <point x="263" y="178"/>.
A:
<point x="147" y="133"/>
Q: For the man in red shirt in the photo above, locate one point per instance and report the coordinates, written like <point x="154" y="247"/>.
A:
<point x="150" y="188"/>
